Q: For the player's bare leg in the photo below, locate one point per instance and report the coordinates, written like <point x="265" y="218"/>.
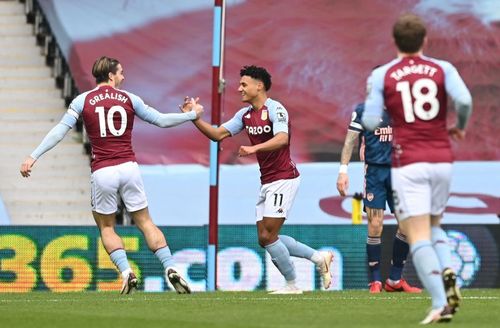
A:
<point x="268" y="230"/>
<point x="106" y="224"/>
<point x="157" y="243"/>
<point x="155" y="239"/>
<point x="113" y="244"/>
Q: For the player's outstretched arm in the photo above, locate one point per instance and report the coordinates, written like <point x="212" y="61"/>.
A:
<point x="51" y="139"/>
<point x="168" y="120"/>
<point x="345" y="158"/>
<point x="213" y="133"/>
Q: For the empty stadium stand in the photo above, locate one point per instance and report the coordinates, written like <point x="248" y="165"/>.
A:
<point x="58" y="192"/>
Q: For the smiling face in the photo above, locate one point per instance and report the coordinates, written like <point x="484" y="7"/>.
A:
<point x="250" y="88"/>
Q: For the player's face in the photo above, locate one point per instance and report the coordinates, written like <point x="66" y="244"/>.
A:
<point x="249" y="88"/>
<point x="118" y="77"/>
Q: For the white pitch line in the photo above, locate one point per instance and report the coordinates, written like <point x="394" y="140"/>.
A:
<point x="297" y="298"/>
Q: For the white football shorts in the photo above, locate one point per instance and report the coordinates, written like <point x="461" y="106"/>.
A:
<point x="123" y="179"/>
<point x="421" y="188"/>
<point x="276" y="198"/>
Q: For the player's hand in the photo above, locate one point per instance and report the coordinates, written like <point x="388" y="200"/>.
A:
<point x="192" y="104"/>
<point x="246" y="150"/>
<point x="197" y="107"/>
<point x="187" y="105"/>
<point x="26" y="166"/>
<point x="343" y="184"/>
<point x="456" y="134"/>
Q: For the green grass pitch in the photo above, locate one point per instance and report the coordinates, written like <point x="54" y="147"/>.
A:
<point x="353" y="308"/>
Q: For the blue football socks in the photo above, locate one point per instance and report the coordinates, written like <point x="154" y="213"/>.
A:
<point x="400" y="249"/>
<point x="373" y="250"/>
<point x="427" y="265"/>
<point x="281" y="258"/>
<point x="119" y="258"/>
<point x="165" y="257"/>
<point x="441" y="247"/>
<point x="296" y="248"/>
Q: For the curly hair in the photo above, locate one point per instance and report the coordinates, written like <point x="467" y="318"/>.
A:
<point x="258" y="73"/>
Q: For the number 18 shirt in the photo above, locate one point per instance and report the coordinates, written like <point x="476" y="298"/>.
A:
<point x="414" y="91"/>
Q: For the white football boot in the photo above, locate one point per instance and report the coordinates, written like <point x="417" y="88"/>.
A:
<point x="289" y="289"/>
<point x="324" y="269"/>
<point x="442" y="314"/>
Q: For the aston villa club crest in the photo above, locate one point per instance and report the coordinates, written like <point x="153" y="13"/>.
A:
<point x="369" y="196"/>
<point x="263" y="115"/>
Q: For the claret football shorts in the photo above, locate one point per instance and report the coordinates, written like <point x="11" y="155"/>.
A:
<point x="276" y="198"/>
<point x="421" y="188"/>
<point x="109" y="182"/>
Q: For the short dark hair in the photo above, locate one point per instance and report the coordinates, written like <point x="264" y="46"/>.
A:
<point x="102" y="67"/>
<point x="258" y="73"/>
<point x="409" y="33"/>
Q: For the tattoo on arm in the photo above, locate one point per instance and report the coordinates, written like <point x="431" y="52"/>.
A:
<point x="350" y="141"/>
